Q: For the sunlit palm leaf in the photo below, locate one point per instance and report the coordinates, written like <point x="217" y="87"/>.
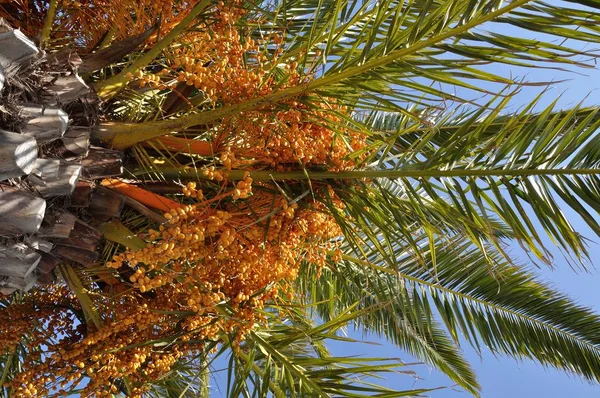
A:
<point x="504" y="307"/>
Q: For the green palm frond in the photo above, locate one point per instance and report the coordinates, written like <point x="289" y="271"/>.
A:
<point x="446" y="181"/>
<point x="489" y="163"/>
<point x="503" y="308"/>
<point x="287" y="358"/>
<point x="389" y="311"/>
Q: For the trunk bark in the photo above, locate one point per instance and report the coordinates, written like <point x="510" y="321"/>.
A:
<point x="83" y="237"/>
<point x="10" y="284"/>
<point x="45" y="124"/>
<point x="20" y="213"/>
<point x="46" y="168"/>
<point x="81" y="195"/>
<point x="102" y="163"/>
<point x="18" y="261"/>
<point x="2" y="78"/>
<point x="15" y="48"/>
<point x="18" y="154"/>
<point x="61" y="184"/>
<point x="83" y="257"/>
<point x="38" y="244"/>
<point x="105" y="204"/>
<point x="47" y="263"/>
<point x="68" y="88"/>
<point x="58" y="224"/>
<point x="75" y="143"/>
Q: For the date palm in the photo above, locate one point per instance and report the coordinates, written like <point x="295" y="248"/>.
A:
<point x="444" y="184"/>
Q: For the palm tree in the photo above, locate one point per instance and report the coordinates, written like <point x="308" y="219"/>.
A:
<point x="434" y="193"/>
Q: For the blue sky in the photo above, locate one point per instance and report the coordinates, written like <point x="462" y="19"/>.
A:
<point x="503" y="377"/>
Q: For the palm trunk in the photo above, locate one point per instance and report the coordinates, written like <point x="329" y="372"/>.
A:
<point x="18" y="154"/>
<point x="20" y="212"/>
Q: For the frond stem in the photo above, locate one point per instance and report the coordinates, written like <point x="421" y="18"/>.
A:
<point x="48" y="22"/>
<point x="268" y="175"/>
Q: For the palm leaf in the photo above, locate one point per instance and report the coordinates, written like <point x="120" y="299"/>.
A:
<point x="504" y="308"/>
<point x="288" y="360"/>
<point x="388" y="312"/>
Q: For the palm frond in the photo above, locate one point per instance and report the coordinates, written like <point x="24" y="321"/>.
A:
<point x="387" y="311"/>
<point x="288" y="359"/>
<point x="503" y="307"/>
